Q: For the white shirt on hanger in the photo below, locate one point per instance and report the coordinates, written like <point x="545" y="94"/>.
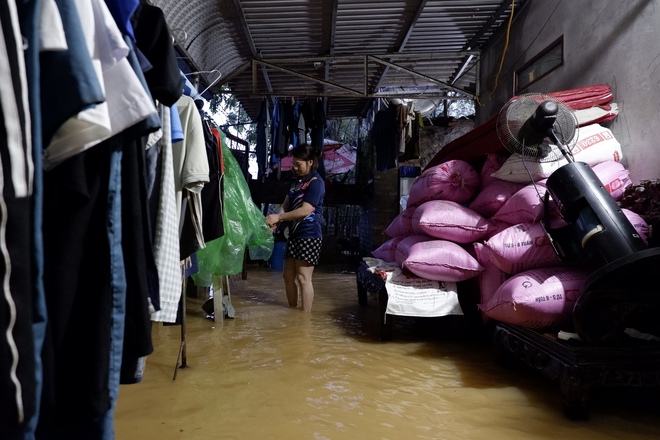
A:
<point x="127" y="103"/>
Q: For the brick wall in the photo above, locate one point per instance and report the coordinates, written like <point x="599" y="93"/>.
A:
<point x="384" y="205"/>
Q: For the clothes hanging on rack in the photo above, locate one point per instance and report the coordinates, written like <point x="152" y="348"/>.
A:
<point x="412" y="127"/>
<point x="385" y="137"/>
<point x="191" y="173"/>
<point x="89" y="185"/>
<point x="93" y="264"/>
<point x="262" y="145"/>
<point x="284" y="129"/>
<point x="71" y="84"/>
<point x="318" y="133"/>
<point x="17" y="355"/>
<point x="92" y="190"/>
<point x="395" y="134"/>
<point x="34" y="331"/>
<point x="155" y="42"/>
<point x="166" y="232"/>
<point x="127" y="105"/>
<point x="307" y="111"/>
<point x="212" y="193"/>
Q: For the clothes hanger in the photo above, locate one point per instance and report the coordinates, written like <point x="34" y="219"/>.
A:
<point x="202" y="71"/>
<point x="214" y="82"/>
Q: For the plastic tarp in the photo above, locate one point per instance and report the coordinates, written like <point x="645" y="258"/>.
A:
<point x="245" y="227"/>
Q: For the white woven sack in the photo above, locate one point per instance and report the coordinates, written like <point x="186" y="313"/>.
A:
<point x="595" y="144"/>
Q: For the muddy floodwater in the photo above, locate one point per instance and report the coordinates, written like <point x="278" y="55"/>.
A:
<point x="277" y="373"/>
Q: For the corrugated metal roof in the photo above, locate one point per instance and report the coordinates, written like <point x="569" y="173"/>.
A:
<point x="343" y="50"/>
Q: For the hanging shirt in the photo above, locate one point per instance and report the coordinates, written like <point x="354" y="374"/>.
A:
<point x="191" y="173"/>
<point x="17" y="354"/>
<point x="153" y="38"/>
<point x="166" y="240"/>
<point x="71" y="84"/>
<point x="262" y="145"/>
<point x="126" y="99"/>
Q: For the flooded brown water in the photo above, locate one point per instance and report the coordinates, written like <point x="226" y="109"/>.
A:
<point x="278" y="373"/>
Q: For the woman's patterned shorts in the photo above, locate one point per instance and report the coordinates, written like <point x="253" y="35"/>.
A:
<point x="306" y="249"/>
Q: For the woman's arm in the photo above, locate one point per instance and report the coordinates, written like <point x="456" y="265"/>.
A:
<point x="285" y="205"/>
<point x="274" y="219"/>
<point x="298" y="213"/>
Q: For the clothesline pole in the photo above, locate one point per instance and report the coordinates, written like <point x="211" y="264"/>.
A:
<point x="182" y="357"/>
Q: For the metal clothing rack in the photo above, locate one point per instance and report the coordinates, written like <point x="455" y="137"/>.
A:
<point x="220" y="290"/>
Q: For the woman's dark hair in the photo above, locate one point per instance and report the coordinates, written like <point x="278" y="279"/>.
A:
<point x="306" y="152"/>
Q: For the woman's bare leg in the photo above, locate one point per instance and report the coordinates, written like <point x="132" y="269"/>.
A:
<point x="290" y="286"/>
<point x="304" y="272"/>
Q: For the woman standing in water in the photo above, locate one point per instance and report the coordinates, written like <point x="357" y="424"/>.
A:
<point x="302" y="211"/>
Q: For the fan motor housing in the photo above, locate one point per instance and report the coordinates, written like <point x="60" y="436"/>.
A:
<point x="606" y="234"/>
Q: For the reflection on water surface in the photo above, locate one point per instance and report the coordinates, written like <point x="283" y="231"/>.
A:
<point x="278" y="373"/>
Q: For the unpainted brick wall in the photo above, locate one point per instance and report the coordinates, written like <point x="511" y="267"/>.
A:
<point x="384" y="205"/>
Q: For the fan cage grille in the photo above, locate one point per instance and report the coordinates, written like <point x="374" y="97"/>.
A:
<point x="518" y="136"/>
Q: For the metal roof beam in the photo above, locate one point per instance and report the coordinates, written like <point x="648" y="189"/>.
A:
<point x="250" y="40"/>
<point x="487" y="26"/>
<point x="235" y="73"/>
<point x="390" y="94"/>
<point x="351" y="92"/>
<point x="347" y="91"/>
<point x="429" y="56"/>
<point x="401" y="45"/>
<point x="331" y="51"/>
<point x="420" y="75"/>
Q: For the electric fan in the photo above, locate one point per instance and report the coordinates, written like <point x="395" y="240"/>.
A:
<point x="541" y="128"/>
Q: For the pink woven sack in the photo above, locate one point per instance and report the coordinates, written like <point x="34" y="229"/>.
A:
<point x="638" y="223"/>
<point x="494" y="162"/>
<point x="387" y="250"/>
<point x="525" y="206"/>
<point x="537" y="298"/>
<point x="498" y="226"/>
<point x="449" y="221"/>
<point x="493" y="196"/>
<point x="441" y="260"/>
<point x="454" y="180"/>
<point x="403" y="246"/>
<point x="401" y="225"/>
<point x="522" y="247"/>
<point x="491" y="278"/>
<point x="614" y="176"/>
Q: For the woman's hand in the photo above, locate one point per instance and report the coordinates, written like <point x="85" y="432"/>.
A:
<point x="273" y="220"/>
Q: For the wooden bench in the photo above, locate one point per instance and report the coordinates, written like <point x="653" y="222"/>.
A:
<point x="372" y="284"/>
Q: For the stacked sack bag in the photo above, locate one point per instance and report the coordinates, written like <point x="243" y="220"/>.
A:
<point x="432" y="237"/>
<point x="461" y="224"/>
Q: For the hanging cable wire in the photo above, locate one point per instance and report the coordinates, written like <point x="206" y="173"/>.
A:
<point x="506" y="45"/>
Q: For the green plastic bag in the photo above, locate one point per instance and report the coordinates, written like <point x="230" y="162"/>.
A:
<point x="245" y="227"/>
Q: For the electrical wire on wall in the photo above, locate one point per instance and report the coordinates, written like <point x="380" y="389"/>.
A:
<point x="506" y="45"/>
